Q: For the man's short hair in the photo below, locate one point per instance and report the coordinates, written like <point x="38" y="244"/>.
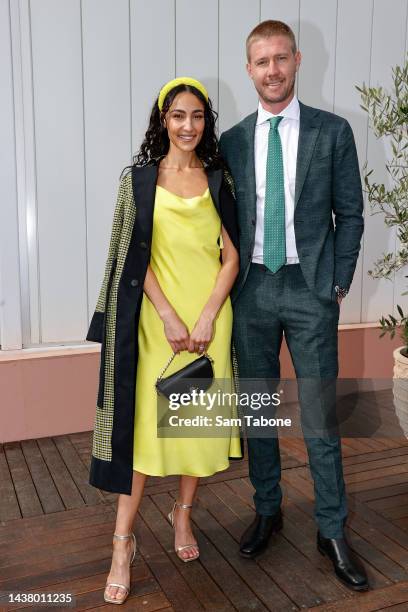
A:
<point x="269" y="28"/>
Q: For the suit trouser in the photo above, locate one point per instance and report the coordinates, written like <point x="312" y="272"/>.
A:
<point x="269" y="305"/>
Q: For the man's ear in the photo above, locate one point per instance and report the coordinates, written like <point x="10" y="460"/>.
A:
<point x="249" y="71"/>
<point x="298" y="59"/>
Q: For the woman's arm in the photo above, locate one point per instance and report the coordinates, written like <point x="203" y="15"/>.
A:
<point x="203" y="329"/>
<point x="175" y="330"/>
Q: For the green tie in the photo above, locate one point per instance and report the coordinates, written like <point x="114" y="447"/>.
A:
<point x="274" y="245"/>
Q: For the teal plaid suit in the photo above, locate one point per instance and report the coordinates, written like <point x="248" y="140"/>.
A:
<point x="299" y="300"/>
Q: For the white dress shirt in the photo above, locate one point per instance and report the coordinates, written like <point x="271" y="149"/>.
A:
<point x="289" y="135"/>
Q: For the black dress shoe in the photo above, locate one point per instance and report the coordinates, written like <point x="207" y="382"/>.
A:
<point x="347" y="566"/>
<point x="255" y="539"/>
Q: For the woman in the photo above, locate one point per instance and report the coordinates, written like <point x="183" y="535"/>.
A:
<point x="181" y="242"/>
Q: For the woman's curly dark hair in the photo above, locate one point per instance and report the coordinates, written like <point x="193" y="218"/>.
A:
<point x="156" y="141"/>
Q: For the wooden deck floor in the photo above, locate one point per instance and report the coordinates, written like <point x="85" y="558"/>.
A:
<point x="56" y="533"/>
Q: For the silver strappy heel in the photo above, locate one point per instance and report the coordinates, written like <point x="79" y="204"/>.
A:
<point x="115" y="584"/>
<point x="179" y="549"/>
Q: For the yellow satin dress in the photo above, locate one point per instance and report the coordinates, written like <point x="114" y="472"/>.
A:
<point x="185" y="257"/>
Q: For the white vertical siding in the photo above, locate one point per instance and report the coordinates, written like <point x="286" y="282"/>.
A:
<point x="10" y="313"/>
<point x="59" y="145"/>
<point x="237" y="96"/>
<point x="80" y="79"/>
<point x="107" y="121"/>
<point x="287" y="11"/>
<point x="152" y="34"/>
<point x="353" y="46"/>
<point x="388" y="46"/>
<point x="197" y="43"/>
<point x="317" y="40"/>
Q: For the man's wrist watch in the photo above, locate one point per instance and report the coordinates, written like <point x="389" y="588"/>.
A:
<point x="340" y="291"/>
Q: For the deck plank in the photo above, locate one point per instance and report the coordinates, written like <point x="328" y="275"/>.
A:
<point x="67" y="488"/>
<point x="44" y="484"/>
<point x="251" y="572"/>
<point x="172" y="582"/>
<point x="56" y="533"/>
<point x="380" y="599"/>
<point x="77" y="470"/>
<point x="9" y="508"/>
<point x="28" y="500"/>
<point x="196" y="575"/>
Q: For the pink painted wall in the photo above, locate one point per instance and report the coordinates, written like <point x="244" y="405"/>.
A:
<point x="54" y="393"/>
<point x="362" y="354"/>
<point x="46" y="396"/>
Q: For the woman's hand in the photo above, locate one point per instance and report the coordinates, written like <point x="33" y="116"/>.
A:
<point x="201" y="335"/>
<point x="176" y="332"/>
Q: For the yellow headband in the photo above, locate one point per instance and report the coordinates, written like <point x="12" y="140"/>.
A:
<point x="180" y="81"/>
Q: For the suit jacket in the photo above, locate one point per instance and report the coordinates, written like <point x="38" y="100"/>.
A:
<point x="328" y="185"/>
<point x="115" y="321"/>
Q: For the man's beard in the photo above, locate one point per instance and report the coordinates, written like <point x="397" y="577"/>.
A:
<point x="278" y="97"/>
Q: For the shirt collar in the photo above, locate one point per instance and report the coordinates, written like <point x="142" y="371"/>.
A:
<point x="291" y="111"/>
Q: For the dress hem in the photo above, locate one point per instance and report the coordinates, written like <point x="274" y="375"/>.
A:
<point x="186" y="474"/>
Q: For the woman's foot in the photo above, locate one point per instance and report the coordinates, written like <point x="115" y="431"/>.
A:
<point x="122" y="557"/>
<point x="185" y="543"/>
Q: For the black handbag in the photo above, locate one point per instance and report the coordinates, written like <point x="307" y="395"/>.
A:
<point x="196" y="376"/>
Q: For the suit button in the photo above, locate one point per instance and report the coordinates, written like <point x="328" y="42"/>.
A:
<point x="143" y="245"/>
<point x="134" y="282"/>
<point x="253" y="221"/>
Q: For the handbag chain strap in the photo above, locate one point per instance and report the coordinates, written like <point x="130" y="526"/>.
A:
<point x="171" y="359"/>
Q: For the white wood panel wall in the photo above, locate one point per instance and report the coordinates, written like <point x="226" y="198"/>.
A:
<point x="107" y="123"/>
<point x="10" y="304"/>
<point x="197" y="43"/>
<point x="153" y="58"/>
<point x="353" y="23"/>
<point x="389" y="35"/>
<point x="60" y="167"/>
<point x="236" y="94"/>
<point x="80" y="78"/>
<point x="401" y="277"/>
<point x="288" y="11"/>
<point x="317" y="40"/>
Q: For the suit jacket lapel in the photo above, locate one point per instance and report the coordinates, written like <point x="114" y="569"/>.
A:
<point x="248" y="160"/>
<point x="308" y="131"/>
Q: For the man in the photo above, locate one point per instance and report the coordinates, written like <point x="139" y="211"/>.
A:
<point x="294" y="168"/>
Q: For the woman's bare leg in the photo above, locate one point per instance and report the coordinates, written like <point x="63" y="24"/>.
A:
<point x="182" y="524"/>
<point x="122" y="549"/>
